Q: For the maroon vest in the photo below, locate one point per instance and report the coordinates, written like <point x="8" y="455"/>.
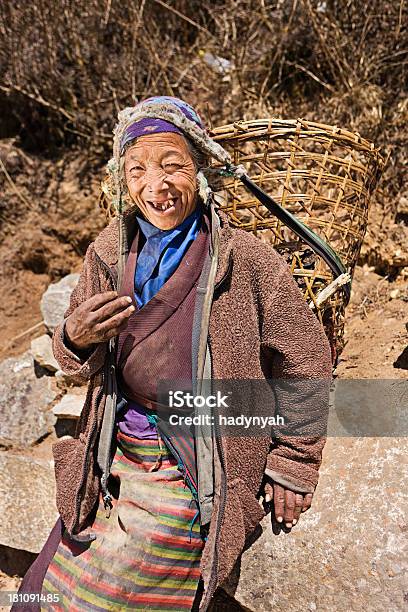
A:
<point x="156" y="345"/>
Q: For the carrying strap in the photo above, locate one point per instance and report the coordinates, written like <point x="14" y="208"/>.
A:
<point x="321" y="247"/>
<point x="109" y="415"/>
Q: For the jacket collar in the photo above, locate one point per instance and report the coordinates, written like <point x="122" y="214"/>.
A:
<point x="106" y="243"/>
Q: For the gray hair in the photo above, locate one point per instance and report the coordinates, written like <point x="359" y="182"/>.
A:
<point x="199" y="158"/>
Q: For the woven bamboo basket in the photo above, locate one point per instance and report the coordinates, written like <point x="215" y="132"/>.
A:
<point x="324" y="175"/>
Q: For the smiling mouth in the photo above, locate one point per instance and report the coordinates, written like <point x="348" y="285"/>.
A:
<point x="163" y="206"/>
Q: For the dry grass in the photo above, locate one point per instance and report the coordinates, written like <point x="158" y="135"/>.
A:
<point x="67" y="67"/>
<point x="73" y="64"/>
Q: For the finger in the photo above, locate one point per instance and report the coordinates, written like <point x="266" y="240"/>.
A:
<point x="290" y="497"/>
<point x="108" y="310"/>
<point x="268" y="489"/>
<point x="123" y="325"/>
<point x="307" y="501"/>
<point x="99" y="299"/>
<point x="279" y="501"/>
<point x="114" y="332"/>
<point x="114" y="322"/>
<point x="298" y="507"/>
<point x="276" y="527"/>
<point x="117" y="330"/>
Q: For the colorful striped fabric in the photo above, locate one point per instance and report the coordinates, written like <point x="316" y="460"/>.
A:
<point x="147" y="554"/>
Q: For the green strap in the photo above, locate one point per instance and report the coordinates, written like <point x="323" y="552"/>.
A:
<point x="324" y="250"/>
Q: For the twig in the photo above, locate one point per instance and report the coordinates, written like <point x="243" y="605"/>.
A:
<point x="27" y="331"/>
<point x="163" y="67"/>
<point x="183" y="73"/>
<point x="398" y="30"/>
<point x="14" y="186"/>
<point x="38" y="98"/>
<point x="134" y="41"/>
<point x="182" y="16"/>
<point x="312" y="75"/>
<point x="5" y="220"/>
<point x="107" y="12"/>
<point x="330" y="289"/>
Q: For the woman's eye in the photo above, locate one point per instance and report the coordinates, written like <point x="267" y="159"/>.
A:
<point x="136" y="168"/>
<point x="172" y="167"/>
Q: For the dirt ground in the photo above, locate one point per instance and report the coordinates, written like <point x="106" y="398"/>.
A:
<point x="376" y="328"/>
<point x="52" y="215"/>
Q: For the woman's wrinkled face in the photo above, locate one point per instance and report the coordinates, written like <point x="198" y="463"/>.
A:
<point x="161" y="178"/>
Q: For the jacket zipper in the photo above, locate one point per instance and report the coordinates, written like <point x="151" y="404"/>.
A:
<point x="223" y="493"/>
<point x="220" y="515"/>
<point x="92" y="433"/>
<point x="226" y="274"/>
<point x="107" y="498"/>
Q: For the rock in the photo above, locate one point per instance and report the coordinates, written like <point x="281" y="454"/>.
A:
<point x="25" y="416"/>
<point x="41" y="350"/>
<point x="27" y="507"/>
<point x="65" y="382"/>
<point x="69" y="407"/>
<point x="402" y="207"/>
<point x="350" y="550"/>
<point x="368" y="408"/>
<point x="55" y="300"/>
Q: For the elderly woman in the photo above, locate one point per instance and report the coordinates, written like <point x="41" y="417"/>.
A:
<point x="170" y="291"/>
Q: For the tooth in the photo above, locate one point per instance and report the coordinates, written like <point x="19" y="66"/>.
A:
<point x="164" y="205"/>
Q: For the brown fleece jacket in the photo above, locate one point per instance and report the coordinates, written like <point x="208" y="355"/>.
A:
<point x="260" y="326"/>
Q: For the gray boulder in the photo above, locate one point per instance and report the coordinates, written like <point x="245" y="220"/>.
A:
<point x="349" y="552"/>
<point x="27" y="507"/>
<point x="41" y="350"/>
<point x="55" y="300"/>
<point x="25" y="415"/>
<point x="69" y="407"/>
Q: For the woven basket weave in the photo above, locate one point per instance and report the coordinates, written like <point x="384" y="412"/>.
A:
<point x="325" y="176"/>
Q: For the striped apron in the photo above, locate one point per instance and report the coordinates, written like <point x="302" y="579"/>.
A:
<point x="147" y="554"/>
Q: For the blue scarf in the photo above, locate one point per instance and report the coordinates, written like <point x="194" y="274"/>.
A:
<point x="161" y="254"/>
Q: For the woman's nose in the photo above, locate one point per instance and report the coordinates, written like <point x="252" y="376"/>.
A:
<point x="157" y="181"/>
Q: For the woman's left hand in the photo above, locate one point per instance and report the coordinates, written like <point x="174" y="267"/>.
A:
<point x="287" y="505"/>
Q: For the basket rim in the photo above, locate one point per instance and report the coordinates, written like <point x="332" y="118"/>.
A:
<point x="255" y="128"/>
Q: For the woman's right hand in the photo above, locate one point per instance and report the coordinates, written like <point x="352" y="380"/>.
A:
<point x="98" y="319"/>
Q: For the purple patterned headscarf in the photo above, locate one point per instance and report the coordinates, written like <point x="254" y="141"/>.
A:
<point x="151" y="125"/>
